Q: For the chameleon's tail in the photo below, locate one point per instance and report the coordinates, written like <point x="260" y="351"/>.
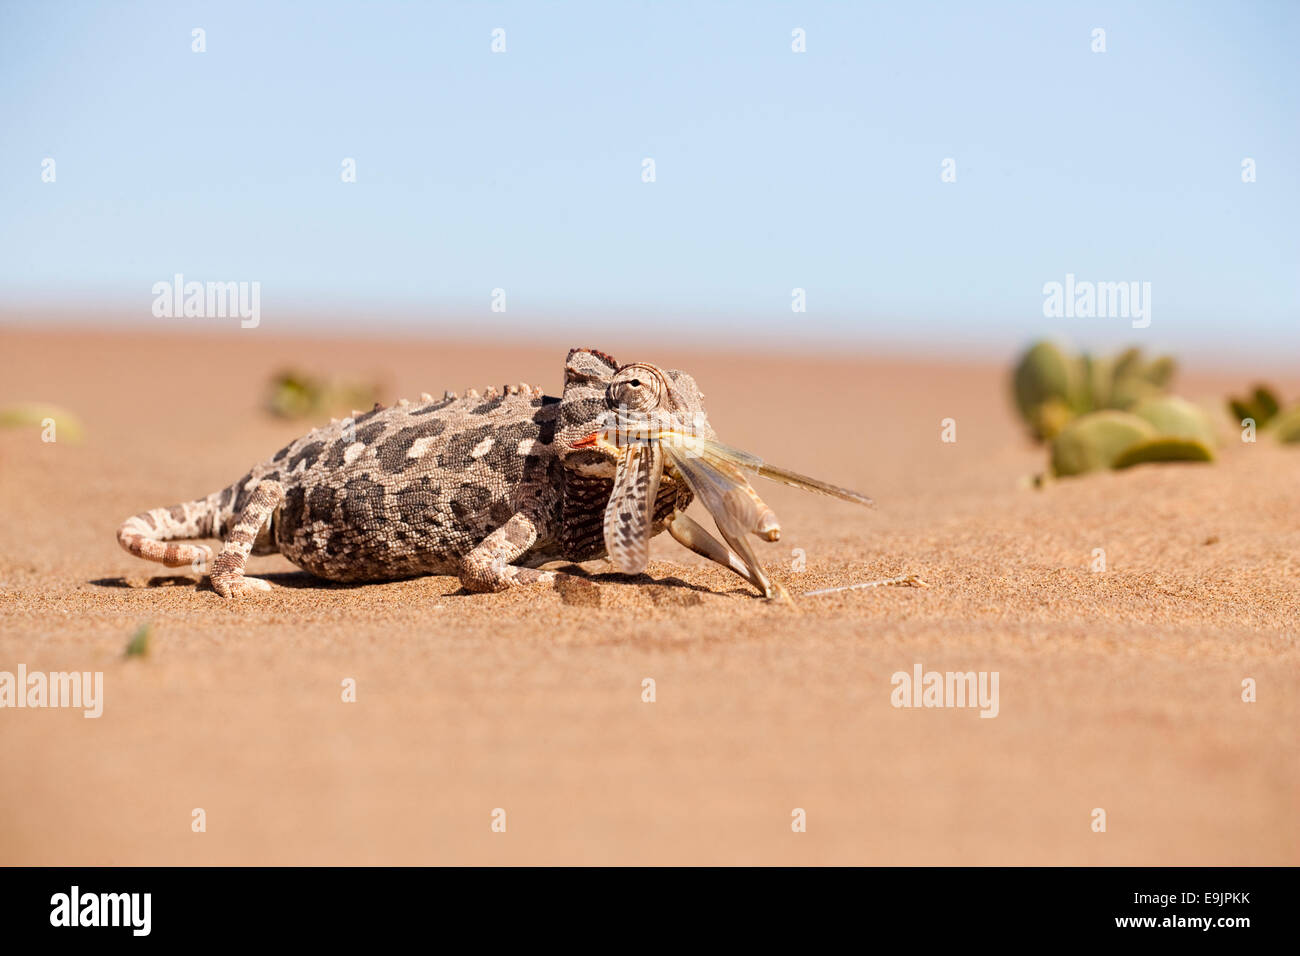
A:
<point x="150" y="534"/>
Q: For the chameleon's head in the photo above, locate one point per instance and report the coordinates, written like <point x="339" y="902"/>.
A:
<point x="634" y="425"/>
<point x="600" y="396"/>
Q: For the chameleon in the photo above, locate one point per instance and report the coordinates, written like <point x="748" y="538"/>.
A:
<point x="489" y="487"/>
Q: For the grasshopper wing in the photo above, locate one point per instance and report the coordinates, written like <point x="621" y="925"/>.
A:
<point x="629" y="514"/>
<point x="720" y="455"/>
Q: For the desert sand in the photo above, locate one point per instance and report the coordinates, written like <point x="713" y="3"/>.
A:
<point x="1119" y="689"/>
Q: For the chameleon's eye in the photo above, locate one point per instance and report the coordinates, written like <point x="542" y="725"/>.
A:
<point x="636" y="394"/>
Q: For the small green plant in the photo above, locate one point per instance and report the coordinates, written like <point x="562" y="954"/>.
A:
<point x="138" y="645"/>
<point x="292" y="393"/>
<point x="67" y="427"/>
<point x="1263" y="408"/>
<point x="1286" y="427"/>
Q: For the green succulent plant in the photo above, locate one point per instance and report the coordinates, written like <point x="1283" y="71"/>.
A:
<point x="1167" y="429"/>
<point x="1261" y="406"/>
<point x="1133" y="380"/>
<point x="1163" y="448"/>
<point x="1159" y="429"/>
<point x="1046" y="389"/>
<point x="1286" y="426"/>
<point x="1175" y="417"/>
<point x="1052" y="388"/>
<point x="1093" y="442"/>
<point x="295" y="394"/>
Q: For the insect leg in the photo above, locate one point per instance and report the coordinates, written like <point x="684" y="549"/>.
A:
<point x="688" y="532"/>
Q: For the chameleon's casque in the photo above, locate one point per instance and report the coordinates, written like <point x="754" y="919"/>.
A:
<point x="488" y="487"/>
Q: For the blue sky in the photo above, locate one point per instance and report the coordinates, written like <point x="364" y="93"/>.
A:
<point x="774" y="170"/>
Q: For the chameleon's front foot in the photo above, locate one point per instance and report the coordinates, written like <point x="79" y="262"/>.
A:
<point x="236" y="585"/>
<point x="228" y="569"/>
<point x="229" y="581"/>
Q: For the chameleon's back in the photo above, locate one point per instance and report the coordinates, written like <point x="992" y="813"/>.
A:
<point x="405" y="490"/>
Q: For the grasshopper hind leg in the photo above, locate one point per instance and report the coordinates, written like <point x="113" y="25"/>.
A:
<point x="689" y="533"/>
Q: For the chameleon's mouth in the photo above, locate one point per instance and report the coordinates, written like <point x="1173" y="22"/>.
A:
<point x="597" y="446"/>
<point x="592" y="457"/>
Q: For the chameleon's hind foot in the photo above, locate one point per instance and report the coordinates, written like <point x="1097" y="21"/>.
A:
<point x="498" y="576"/>
<point x="487" y="568"/>
<point x="533" y="576"/>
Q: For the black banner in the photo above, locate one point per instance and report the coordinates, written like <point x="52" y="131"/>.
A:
<point x="1169" y="906"/>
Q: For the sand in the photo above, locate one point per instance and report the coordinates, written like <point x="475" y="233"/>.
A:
<point x="1119" y="690"/>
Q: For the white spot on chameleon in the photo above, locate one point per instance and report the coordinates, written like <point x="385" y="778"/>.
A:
<point x="353" y="452"/>
<point x="482" y="448"/>
<point x="526" y="446"/>
<point x="420" y="446"/>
